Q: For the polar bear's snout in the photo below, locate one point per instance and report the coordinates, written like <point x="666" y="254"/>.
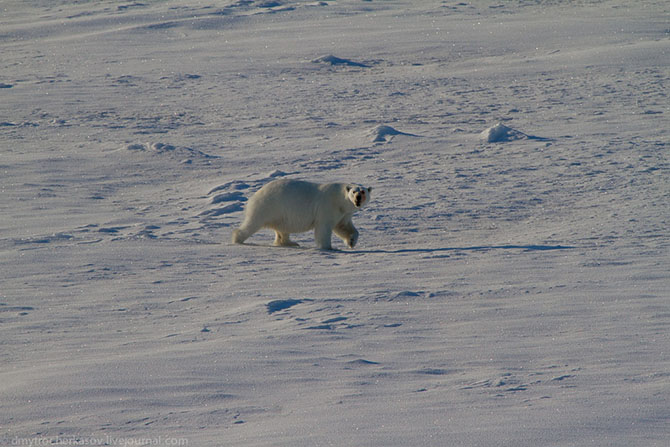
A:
<point x="359" y="197"/>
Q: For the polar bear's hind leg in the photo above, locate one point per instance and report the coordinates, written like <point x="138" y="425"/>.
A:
<point x="238" y="237"/>
<point x="284" y="240"/>
<point x="242" y="234"/>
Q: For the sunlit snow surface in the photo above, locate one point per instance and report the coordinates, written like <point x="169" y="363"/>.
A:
<point x="510" y="284"/>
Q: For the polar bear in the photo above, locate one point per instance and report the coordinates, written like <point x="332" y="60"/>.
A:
<point x="295" y="206"/>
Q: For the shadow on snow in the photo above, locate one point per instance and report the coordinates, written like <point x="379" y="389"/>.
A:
<point x="475" y="248"/>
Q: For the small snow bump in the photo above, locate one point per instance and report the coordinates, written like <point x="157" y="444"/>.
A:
<point x="235" y="185"/>
<point x="334" y="60"/>
<point x="235" y="196"/>
<point x="384" y="134"/>
<point x="269" y="4"/>
<point x="230" y="208"/>
<point x="501" y="133"/>
<point x="433" y="371"/>
<point x="362" y="362"/>
<point x="334" y="320"/>
<point x="162" y="147"/>
<point x="277" y="305"/>
<point x="561" y="378"/>
<point x="409" y="294"/>
<point x="276" y="173"/>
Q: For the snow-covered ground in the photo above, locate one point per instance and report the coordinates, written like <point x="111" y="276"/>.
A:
<point x="511" y="283"/>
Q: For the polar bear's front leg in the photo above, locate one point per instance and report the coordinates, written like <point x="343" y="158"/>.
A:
<point x="346" y="231"/>
<point x="322" y="235"/>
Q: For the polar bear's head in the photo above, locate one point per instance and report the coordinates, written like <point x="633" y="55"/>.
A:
<point x="358" y="195"/>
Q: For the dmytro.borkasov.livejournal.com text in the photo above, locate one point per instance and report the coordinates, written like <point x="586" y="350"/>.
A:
<point x="96" y="440"/>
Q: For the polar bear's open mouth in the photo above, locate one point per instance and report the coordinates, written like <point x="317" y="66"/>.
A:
<point x="359" y="198"/>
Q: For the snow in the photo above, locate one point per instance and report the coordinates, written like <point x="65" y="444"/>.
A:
<point x="384" y="134"/>
<point x="501" y="133"/>
<point x="508" y="288"/>
<point x="334" y="60"/>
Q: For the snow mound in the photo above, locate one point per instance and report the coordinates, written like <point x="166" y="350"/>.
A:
<point x="227" y="209"/>
<point x="276" y="173"/>
<point x="334" y="60"/>
<point x="234" y="196"/>
<point x="278" y="305"/>
<point x="384" y="134"/>
<point x="501" y="133"/>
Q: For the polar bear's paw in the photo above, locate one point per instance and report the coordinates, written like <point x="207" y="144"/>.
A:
<point x="238" y="238"/>
<point x="353" y="239"/>
<point x="284" y="240"/>
<point x="286" y="244"/>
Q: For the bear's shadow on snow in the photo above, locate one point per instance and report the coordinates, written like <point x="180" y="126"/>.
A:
<point x="481" y="248"/>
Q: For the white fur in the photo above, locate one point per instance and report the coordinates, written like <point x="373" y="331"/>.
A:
<point x="293" y="206"/>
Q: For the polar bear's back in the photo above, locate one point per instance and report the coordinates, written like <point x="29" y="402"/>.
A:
<point x="285" y="205"/>
<point x="289" y="192"/>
